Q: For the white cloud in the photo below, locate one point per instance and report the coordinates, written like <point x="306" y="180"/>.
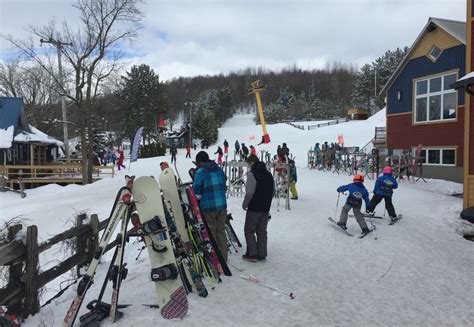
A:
<point x="187" y="38"/>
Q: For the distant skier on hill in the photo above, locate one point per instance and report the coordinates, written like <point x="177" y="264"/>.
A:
<point x="285" y="152"/>
<point x="245" y="151"/>
<point x="173" y="152"/>
<point x="226" y="146"/>
<point x="237" y="147"/>
<point x="357" y="193"/>
<point x="188" y="151"/>
<point x="383" y="189"/>
<point x="219" y="155"/>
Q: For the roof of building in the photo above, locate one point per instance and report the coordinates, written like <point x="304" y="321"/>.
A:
<point x="456" y="29"/>
<point x="14" y="126"/>
<point x="10" y="111"/>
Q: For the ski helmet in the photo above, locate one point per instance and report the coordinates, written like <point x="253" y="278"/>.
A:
<point x="388" y="170"/>
<point x="358" y="178"/>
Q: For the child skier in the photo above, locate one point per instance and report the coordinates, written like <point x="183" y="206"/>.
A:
<point x="357" y="192"/>
<point x="383" y="189"/>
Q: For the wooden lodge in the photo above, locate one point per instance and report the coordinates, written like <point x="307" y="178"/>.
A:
<point x="30" y="156"/>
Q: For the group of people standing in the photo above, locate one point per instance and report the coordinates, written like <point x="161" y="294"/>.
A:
<point x="209" y="184"/>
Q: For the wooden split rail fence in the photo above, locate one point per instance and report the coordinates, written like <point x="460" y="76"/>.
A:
<point x="20" y="295"/>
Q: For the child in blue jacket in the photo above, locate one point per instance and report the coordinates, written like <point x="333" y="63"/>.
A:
<point x="357" y="193"/>
<point x="384" y="187"/>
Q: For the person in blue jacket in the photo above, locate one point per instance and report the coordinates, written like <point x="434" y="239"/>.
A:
<point x="209" y="186"/>
<point x="357" y="193"/>
<point x="383" y="189"/>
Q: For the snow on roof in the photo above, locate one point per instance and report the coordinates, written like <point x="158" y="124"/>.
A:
<point x="467" y="76"/>
<point x="36" y="136"/>
<point x="6" y="137"/>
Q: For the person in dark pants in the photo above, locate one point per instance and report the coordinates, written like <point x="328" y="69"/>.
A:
<point x="259" y="190"/>
<point x="383" y="190"/>
<point x="357" y="193"/>
<point x="173" y="152"/>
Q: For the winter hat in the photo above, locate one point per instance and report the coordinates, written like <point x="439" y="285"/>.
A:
<point x="164" y="165"/>
<point x="202" y="156"/>
<point x="388" y="170"/>
<point x="252" y="159"/>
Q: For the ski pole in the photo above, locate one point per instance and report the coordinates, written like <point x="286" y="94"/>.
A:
<point x="257" y="281"/>
<point x="337" y="205"/>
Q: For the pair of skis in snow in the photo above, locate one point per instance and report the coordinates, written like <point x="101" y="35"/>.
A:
<point x="362" y="235"/>
<point x="332" y="221"/>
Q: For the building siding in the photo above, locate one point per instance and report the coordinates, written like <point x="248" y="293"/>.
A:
<point x="402" y="134"/>
<point x="442" y="39"/>
<point x="450" y="59"/>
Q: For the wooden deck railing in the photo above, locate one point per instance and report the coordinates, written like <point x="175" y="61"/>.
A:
<point x="44" y="174"/>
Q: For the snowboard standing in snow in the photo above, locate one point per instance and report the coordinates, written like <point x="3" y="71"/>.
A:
<point x="164" y="271"/>
<point x="170" y="193"/>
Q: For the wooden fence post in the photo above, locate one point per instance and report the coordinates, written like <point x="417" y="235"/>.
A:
<point x="31" y="274"/>
<point x="93" y="240"/>
<point x="81" y="242"/>
<point x="15" y="269"/>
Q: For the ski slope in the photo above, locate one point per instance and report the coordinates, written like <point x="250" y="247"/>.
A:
<point x="417" y="272"/>
<point x="243" y="128"/>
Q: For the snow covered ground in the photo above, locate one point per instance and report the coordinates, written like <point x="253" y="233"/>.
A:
<point x="416" y="272"/>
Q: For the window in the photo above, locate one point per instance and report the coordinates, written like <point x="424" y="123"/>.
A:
<point x="434" y="100"/>
<point x="445" y="157"/>
<point x="435" y="52"/>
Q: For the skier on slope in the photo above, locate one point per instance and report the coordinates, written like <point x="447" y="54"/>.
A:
<point x="237" y="147"/>
<point x="188" y="151"/>
<point x="209" y="186"/>
<point x="285" y="152"/>
<point x="357" y="193"/>
<point x="219" y="155"/>
<point x="383" y="189"/>
<point x="120" y="159"/>
<point x="245" y="151"/>
<point x="226" y="146"/>
<point x="173" y="152"/>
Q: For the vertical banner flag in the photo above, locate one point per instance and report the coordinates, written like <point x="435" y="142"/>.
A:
<point x="136" y="145"/>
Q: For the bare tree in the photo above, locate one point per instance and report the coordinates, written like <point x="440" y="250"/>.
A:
<point x="93" y="55"/>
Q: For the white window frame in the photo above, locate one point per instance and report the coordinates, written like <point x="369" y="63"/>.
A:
<point x="440" y="149"/>
<point x="427" y="95"/>
<point x="433" y="58"/>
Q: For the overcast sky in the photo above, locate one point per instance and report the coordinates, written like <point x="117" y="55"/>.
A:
<point x="188" y="38"/>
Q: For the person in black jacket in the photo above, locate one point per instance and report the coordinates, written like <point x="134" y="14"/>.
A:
<point x="245" y="151"/>
<point x="259" y="191"/>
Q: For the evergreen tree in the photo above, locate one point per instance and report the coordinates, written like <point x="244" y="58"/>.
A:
<point x="206" y="116"/>
<point x="141" y="100"/>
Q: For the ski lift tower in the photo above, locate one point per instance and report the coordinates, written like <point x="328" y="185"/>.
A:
<point x="256" y="88"/>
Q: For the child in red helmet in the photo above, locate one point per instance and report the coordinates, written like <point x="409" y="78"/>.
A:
<point x="357" y="193"/>
<point x="383" y="189"/>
